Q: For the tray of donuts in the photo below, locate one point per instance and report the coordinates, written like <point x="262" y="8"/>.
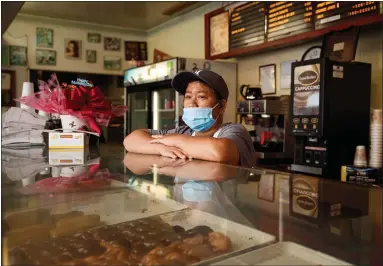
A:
<point x="181" y="238"/>
<point x="67" y="219"/>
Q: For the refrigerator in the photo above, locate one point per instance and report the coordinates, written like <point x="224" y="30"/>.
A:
<point x="152" y="101"/>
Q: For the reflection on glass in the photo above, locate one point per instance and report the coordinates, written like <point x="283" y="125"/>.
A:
<point x="163" y="109"/>
<point x="138" y="111"/>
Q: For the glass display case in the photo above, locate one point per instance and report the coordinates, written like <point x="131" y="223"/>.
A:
<point x="164" y="106"/>
<point x="138" y="113"/>
<point x="158" y="211"/>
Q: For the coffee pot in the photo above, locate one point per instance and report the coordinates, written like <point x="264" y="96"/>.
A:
<point x="250" y="93"/>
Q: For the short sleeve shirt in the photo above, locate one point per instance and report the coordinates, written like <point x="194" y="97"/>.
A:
<point x="235" y="132"/>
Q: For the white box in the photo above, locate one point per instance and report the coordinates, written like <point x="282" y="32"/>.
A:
<point x="67" y="140"/>
<point x="67" y="156"/>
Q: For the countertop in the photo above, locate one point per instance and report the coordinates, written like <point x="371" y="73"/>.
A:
<point x="338" y="219"/>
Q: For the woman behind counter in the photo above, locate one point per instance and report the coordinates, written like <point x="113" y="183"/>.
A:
<point x="205" y="137"/>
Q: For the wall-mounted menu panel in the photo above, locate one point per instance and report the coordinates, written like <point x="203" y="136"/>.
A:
<point x="329" y="13"/>
<point x="247" y="25"/>
<point x="254" y="27"/>
<point x="286" y="19"/>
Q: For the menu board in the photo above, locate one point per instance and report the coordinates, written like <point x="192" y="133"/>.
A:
<point x="288" y="18"/>
<point x="328" y="13"/>
<point x="247" y="25"/>
<point x="254" y="23"/>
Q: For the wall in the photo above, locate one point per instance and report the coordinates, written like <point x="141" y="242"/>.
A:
<point x="22" y="32"/>
<point x="182" y="36"/>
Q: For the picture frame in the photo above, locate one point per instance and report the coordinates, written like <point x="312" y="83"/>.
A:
<point x="143" y="51"/>
<point x="45" y="57"/>
<point x="44" y="37"/>
<point x="91" y="56"/>
<point x="266" y="187"/>
<point x="112" y="62"/>
<point x="219" y="33"/>
<point x="112" y="44"/>
<point x="267" y="79"/>
<point x="94" y="37"/>
<point x="132" y="50"/>
<point x="18" y="55"/>
<point x="72" y="49"/>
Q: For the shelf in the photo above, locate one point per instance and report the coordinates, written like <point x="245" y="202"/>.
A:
<point x="292" y="40"/>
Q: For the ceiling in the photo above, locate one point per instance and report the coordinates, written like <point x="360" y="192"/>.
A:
<point x="134" y="15"/>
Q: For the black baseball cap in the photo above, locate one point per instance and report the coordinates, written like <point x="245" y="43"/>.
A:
<point x="210" y="78"/>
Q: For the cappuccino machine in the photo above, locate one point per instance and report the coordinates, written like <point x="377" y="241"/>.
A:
<point x="330" y="108"/>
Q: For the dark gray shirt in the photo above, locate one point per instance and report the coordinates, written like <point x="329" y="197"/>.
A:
<point x="236" y="132"/>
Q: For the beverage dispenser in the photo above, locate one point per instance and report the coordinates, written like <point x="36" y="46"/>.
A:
<point x="330" y="107"/>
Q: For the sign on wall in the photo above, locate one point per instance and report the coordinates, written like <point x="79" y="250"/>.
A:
<point x="219" y="33"/>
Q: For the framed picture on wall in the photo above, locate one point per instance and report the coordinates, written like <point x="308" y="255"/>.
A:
<point x="91" y="56"/>
<point x="44" y="37"/>
<point x="267" y="78"/>
<point x="72" y="49"/>
<point x="132" y="50"/>
<point x="112" y="44"/>
<point x="94" y="37"/>
<point x="219" y="33"/>
<point x="143" y="51"/>
<point x="18" y="55"/>
<point x="45" y="57"/>
<point x="112" y="62"/>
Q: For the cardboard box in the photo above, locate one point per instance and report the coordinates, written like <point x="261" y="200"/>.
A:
<point x="57" y="140"/>
<point x="361" y="175"/>
<point x="68" y="156"/>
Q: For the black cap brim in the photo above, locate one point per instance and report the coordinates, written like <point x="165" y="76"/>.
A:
<point x="181" y="81"/>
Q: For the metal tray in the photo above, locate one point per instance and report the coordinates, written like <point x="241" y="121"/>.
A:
<point x="283" y="253"/>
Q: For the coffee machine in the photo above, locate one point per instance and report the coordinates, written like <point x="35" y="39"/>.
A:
<point x="267" y="120"/>
<point x="330" y="108"/>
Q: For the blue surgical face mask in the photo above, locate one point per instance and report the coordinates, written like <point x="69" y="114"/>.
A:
<point x="199" y="119"/>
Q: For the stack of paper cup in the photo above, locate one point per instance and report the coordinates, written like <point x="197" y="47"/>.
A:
<point x="27" y="91"/>
<point x="376" y="139"/>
